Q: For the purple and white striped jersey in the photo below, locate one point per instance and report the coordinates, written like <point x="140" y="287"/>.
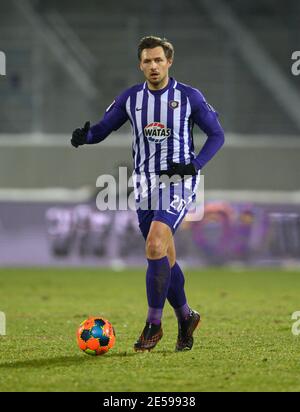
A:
<point x="162" y="125"/>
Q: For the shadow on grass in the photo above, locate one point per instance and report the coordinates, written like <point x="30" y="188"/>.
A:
<point x="47" y="363"/>
<point x="67" y="361"/>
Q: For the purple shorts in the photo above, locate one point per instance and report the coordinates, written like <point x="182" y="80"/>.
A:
<point x="170" y="207"/>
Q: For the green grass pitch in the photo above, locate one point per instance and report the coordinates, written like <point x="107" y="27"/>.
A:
<point x="245" y="342"/>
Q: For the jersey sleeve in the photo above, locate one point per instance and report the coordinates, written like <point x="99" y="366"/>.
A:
<point x="114" y="117"/>
<point x="206" y="117"/>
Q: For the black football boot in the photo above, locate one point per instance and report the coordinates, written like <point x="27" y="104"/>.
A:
<point x="150" y="336"/>
<point x="186" y="329"/>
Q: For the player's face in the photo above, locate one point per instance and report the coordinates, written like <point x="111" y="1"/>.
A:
<point x="155" y="67"/>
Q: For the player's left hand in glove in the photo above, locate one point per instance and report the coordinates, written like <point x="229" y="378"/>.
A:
<point x="180" y="169"/>
<point x="79" y="136"/>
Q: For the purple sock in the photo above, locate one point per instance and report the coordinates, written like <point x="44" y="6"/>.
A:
<point x="157" y="285"/>
<point x="183" y="312"/>
<point x="176" y="295"/>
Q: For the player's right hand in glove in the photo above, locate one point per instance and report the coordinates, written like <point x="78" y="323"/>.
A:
<point x="79" y="136"/>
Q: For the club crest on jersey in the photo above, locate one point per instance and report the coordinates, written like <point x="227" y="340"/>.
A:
<point x="173" y="104"/>
<point x="157" y="132"/>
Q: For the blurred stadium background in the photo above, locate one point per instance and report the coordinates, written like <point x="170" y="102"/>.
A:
<point x="67" y="60"/>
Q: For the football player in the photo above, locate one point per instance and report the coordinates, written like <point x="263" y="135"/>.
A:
<point x="162" y="113"/>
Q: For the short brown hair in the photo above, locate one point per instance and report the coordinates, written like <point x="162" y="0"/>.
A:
<point x="149" y="42"/>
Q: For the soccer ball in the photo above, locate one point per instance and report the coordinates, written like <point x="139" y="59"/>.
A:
<point x="96" y="336"/>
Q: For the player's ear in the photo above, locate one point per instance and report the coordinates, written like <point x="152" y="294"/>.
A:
<point x="170" y="62"/>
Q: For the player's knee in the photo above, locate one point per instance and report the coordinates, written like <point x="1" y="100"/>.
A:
<point x="155" y="248"/>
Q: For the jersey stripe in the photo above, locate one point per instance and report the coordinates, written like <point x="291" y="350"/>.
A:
<point x="161" y="115"/>
<point x="131" y="113"/>
<point x="182" y="128"/>
<point x="135" y="131"/>
<point x="191" y="144"/>
<point x="138" y="120"/>
<point x="151" y="119"/>
<point x="176" y="129"/>
<point x="168" y="147"/>
<point x="186" y="133"/>
<point x="144" y="120"/>
<point x="134" y="140"/>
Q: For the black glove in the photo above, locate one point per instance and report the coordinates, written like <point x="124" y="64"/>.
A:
<point x="179" y="169"/>
<point x="79" y="135"/>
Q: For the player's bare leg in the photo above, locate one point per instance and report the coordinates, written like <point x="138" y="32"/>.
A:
<point x="158" y="240"/>
<point x="188" y="319"/>
<point x="157" y="282"/>
<point x="171" y="253"/>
